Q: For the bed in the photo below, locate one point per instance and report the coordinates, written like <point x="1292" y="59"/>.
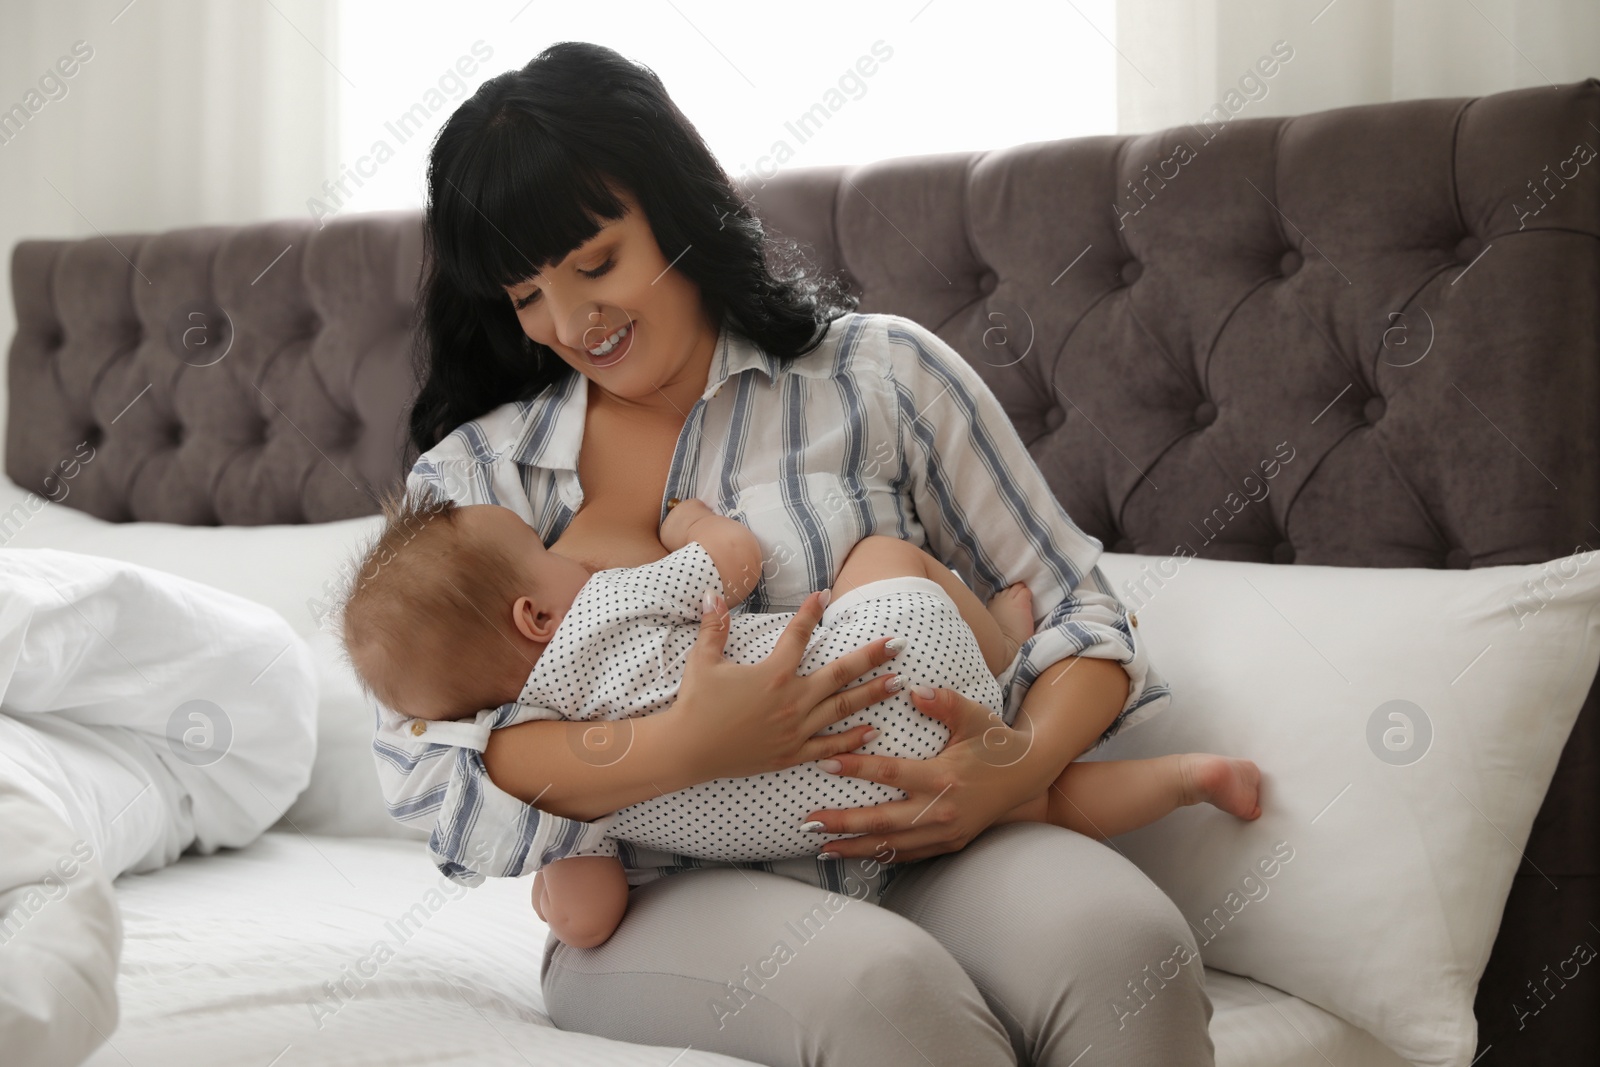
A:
<point x="242" y="391"/>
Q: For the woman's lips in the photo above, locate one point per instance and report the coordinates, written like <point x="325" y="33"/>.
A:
<point x="617" y="354"/>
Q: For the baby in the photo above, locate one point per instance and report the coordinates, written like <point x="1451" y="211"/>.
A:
<point x="467" y="598"/>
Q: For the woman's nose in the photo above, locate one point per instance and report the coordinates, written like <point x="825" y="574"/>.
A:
<point x="575" y="323"/>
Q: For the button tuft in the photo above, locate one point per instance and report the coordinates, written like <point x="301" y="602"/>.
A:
<point x="1467" y="248"/>
<point x="1205" y="414"/>
<point x="1374" y="409"/>
<point x="1290" y="262"/>
<point x="1283" y="552"/>
<point x="1458" y="559"/>
<point x="1131" y="271"/>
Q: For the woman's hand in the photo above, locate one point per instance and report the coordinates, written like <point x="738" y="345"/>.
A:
<point x="734" y="720"/>
<point x="950" y="799"/>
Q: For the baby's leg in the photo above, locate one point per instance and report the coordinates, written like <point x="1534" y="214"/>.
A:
<point x="583" y="898"/>
<point x="877" y="557"/>
<point x="1108" y="798"/>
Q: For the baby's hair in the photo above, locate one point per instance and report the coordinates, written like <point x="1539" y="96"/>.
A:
<point x="425" y="594"/>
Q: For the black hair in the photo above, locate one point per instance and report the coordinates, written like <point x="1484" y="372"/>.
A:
<point x="523" y="172"/>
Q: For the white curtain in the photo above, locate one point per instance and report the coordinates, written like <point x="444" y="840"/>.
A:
<point x="1181" y="60"/>
<point x="175" y="113"/>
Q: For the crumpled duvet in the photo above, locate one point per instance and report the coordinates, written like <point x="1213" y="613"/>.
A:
<point x="142" y="715"/>
<point x="60" y="937"/>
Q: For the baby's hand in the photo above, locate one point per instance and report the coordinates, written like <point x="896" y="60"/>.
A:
<point x="730" y="544"/>
<point x="675" y="527"/>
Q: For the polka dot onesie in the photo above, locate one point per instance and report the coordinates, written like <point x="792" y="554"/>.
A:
<point x="620" y="653"/>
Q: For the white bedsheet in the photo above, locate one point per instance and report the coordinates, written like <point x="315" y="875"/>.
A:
<point x="239" y="958"/>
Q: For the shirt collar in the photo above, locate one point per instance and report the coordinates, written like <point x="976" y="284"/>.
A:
<point x="551" y="429"/>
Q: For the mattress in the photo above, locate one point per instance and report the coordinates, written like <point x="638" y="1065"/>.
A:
<point x="305" y="950"/>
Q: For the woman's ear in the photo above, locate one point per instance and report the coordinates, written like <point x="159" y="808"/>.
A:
<point x="532" y="621"/>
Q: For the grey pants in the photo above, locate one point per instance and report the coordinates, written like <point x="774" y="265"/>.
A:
<point x="1033" y="945"/>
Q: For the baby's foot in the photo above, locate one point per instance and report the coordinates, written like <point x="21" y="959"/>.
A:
<point x="1012" y="608"/>
<point x="1234" y="785"/>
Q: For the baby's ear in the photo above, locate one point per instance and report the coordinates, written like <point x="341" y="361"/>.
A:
<point x="532" y="621"/>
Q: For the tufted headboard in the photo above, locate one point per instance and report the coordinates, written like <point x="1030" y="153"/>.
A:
<point x="1407" y="294"/>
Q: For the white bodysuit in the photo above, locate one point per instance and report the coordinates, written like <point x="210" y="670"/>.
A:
<point x="620" y="653"/>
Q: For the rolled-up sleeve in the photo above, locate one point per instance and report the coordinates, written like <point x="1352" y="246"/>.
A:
<point x="991" y="516"/>
<point x="476" y="828"/>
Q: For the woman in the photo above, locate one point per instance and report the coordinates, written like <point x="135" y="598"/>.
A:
<point x="608" y="328"/>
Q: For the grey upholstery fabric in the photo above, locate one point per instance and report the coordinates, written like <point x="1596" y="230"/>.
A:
<point x="1408" y="294"/>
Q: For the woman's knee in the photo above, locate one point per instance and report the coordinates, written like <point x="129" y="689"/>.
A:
<point x="1070" y="942"/>
<point x="1145" y="953"/>
<point x="775" y="971"/>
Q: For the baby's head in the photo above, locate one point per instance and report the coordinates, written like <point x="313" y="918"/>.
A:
<point x="451" y="606"/>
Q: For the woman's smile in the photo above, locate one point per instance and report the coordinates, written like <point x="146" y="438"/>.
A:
<point x="612" y="349"/>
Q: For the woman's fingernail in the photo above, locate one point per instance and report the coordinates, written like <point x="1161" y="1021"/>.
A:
<point x="896" y="645"/>
<point x="925" y="692"/>
<point x="827" y="855"/>
<point x="832" y="766"/>
<point x="812" y="827"/>
<point x="895" y="683"/>
<point x="708" y="602"/>
<point x="827" y="597"/>
<point x="870" y="735"/>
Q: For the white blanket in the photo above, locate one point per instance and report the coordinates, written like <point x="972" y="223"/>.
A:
<point x="141" y="715"/>
<point x="59" y="938"/>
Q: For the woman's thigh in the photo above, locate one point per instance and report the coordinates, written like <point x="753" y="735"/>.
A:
<point x="1073" y="948"/>
<point x="775" y="971"/>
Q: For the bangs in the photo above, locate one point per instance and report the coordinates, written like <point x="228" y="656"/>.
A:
<point x="514" y="201"/>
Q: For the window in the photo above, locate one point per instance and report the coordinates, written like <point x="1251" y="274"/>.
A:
<point x="808" y="85"/>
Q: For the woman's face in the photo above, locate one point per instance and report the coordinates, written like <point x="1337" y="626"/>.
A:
<point x="620" y="283"/>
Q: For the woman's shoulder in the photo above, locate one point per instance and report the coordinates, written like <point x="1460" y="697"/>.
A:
<point x="870" y="342"/>
<point x="886" y="345"/>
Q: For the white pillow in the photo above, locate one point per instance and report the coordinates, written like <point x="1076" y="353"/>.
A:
<point x="1407" y="723"/>
<point x="293" y="569"/>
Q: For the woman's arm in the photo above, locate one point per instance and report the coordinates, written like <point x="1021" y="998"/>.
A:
<point x="989" y="512"/>
<point x="586" y="770"/>
<point x="729" y="721"/>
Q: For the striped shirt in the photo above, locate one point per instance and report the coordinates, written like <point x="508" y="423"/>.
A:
<point x="883" y="428"/>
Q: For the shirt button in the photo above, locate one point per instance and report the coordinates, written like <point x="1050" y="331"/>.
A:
<point x="673" y="502"/>
<point x="418" y="728"/>
<point x="1134" y="619"/>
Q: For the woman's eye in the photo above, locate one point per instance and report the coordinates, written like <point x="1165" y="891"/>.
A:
<point x="602" y="269"/>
